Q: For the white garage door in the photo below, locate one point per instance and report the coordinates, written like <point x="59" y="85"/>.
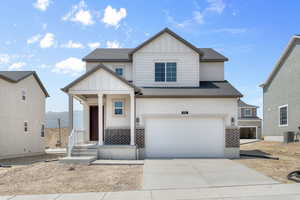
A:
<point x="184" y="137"/>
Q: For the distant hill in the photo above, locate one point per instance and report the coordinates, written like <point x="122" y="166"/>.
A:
<point x="52" y="119"/>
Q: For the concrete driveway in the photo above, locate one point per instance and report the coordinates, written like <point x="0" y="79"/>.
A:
<point x="195" y="173"/>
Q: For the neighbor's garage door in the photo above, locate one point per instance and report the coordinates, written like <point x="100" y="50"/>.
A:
<point x="184" y="137"/>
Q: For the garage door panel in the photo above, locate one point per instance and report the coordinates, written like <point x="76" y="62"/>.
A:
<point x="184" y="137"/>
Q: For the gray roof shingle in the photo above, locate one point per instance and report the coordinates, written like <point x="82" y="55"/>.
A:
<point x="122" y="55"/>
<point x="243" y="104"/>
<point x="16" y="76"/>
<point x="206" y="89"/>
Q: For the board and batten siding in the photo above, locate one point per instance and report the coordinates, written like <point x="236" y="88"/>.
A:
<point x="127" y="66"/>
<point x="14" y="141"/>
<point x="212" y="71"/>
<point x="166" y="48"/>
<point x="284" y="89"/>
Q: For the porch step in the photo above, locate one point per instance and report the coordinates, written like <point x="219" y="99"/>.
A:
<point x="83" y="160"/>
<point x="118" y="162"/>
<point x="84" y="152"/>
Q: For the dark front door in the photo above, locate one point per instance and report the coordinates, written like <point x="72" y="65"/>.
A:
<point x="94" y="123"/>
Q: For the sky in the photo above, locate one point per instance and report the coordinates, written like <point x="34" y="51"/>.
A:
<point x="52" y="36"/>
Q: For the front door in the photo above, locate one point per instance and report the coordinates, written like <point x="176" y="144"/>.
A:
<point x="94" y="123"/>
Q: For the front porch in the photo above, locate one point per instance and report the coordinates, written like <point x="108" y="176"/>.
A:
<point x="109" y="126"/>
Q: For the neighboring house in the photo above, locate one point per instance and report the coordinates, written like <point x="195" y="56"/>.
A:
<point x="164" y="98"/>
<point x="281" y="94"/>
<point x="249" y="123"/>
<point x="22" y="114"/>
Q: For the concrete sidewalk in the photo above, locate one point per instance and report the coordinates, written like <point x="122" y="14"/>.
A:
<point x="258" y="192"/>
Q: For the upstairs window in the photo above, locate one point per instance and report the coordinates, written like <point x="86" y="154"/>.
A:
<point x="118" y="107"/>
<point x="23" y="95"/>
<point x="248" y="112"/>
<point x="165" y="72"/>
<point x="160" y="72"/>
<point x="119" y="71"/>
<point x="283" y="115"/>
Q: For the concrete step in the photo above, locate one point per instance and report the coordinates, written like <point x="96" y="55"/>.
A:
<point x="83" y="160"/>
<point x="83" y="154"/>
<point x="118" y="162"/>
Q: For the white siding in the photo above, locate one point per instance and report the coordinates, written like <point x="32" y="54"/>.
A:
<point x="166" y="49"/>
<point x="113" y="65"/>
<point x="212" y="71"/>
<point x="113" y="121"/>
<point x="100" y="80"/>
<point x="14" y="111"/>
<point x="195" y="106"/>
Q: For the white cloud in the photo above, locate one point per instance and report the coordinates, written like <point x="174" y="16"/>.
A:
<point x="4" y="58"/>
<point x="112" y="16"/>
<point x="216" y="6"/>
<point x="42" y="4"/>
<point x="113" y="44"/>
<point x="16" y="66"/>
<point x="198" y="17"/>
<point x="34" y="39"/>
<point x="47" y="41"/>
<point x="72" y="45"/>
<point x="70" y="65"/>
<point x="79" y="13"/>
<point x="231" y="30"/>
<point x="94" y="45"/>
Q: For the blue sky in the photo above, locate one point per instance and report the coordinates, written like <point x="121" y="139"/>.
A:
<point x="51" y="36"/>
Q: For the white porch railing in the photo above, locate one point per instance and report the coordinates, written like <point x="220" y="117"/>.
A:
<point x="76" y="137"/>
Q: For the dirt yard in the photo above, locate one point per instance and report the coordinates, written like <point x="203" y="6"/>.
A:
<point x="52" y="137"/>
<point x="28" y="176"/>
<point x="289" y="159"/>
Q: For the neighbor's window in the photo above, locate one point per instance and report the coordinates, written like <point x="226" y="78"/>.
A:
<point x="43" y="130"/>
<point x="283" y="115"/>
<point x="118" y="107"/>
<point x="23" y="95"/>
<point x="165" y="72"/>
<point x="248" y="112"/>
<point x="119" y="71"/>
<point x="26" y="127"/>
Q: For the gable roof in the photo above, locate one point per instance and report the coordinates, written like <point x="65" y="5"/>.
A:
<point x="122" y="55"/>
<point x="206" y="89"/>
<point x="125" y="54"/>
<point x="100" y="66"/>
<point x="16" y="76"/>
<point x="243" y="104"/>
<point x="166" y="30"/>
<point x="292" y="43"/>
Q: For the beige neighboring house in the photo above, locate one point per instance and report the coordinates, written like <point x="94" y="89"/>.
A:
<point x="164" y="98"/>
<point x="22" y="114"/>
<point x="248" y="121"/>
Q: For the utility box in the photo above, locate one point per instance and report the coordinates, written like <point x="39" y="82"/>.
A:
<point x="288" y="137"/>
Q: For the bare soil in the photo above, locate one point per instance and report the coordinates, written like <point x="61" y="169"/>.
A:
<point x="288" y="154"/>
<point x="32" y="175"/>
<point x="52" y="137"/>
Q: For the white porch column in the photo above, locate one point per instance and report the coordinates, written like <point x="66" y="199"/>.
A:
<point x="100" y="124"/>
<point x="132" y="118"/>
<point x="70" y="113"/>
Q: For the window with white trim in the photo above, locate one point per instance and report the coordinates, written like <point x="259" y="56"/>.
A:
<point x="165" y="72"/>
<point x="247" y="112"/>
<point x="119" y="71"/>
<point x="26" y="127"/>
<point x="118" y="107"/>
<point x="283" y="115"/>
<point x="23" y="93"/>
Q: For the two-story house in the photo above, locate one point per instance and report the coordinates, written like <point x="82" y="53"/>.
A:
<point x="281" y="94"/>
<point x="164" y="98"/>
<point x="248" y="121"/>
<point x="22" y="114"/>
